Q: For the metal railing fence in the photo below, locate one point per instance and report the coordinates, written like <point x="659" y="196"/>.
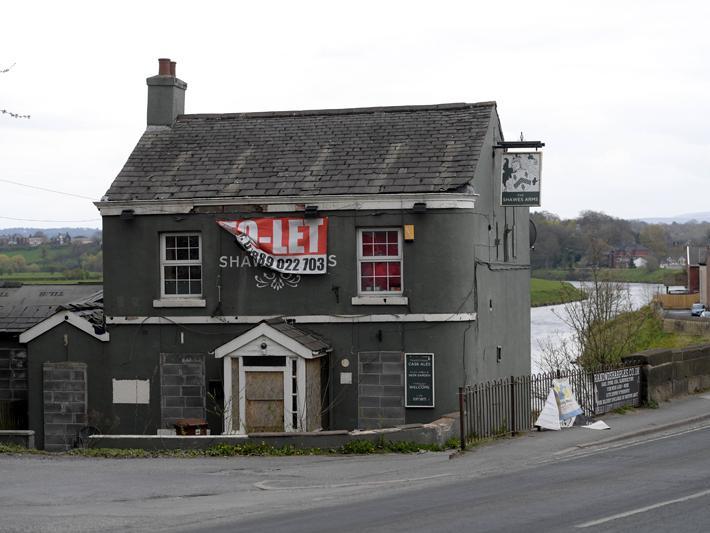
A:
<point x="511" y="405"/>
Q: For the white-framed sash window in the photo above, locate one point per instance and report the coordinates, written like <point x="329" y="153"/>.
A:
<point x="180" y="265"/>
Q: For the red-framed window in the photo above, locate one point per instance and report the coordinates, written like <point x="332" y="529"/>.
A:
<point x="379" y="261"/>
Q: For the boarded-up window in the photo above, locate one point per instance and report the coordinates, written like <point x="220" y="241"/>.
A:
<point x="380" y="389"/>
<point x="131" y="391"/>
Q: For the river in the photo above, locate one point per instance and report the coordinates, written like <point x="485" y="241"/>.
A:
<point x="546" y="322"/>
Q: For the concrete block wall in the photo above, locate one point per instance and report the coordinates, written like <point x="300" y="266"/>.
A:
<point x="380" y="389"/>
<point x="64" y="390"/>
<point x="182" y="387"/>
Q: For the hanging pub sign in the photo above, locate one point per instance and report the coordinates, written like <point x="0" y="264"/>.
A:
<point x="289" y="244"/>
<point x="520" y="179"/>
<point x="419" y="379"/>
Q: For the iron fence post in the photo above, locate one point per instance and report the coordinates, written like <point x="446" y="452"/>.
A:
<point x="462" y="414"/>
<point x="513" y="426"/>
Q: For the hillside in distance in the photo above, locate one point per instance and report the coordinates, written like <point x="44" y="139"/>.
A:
<point x="679" y="219"/>
<point x="51" y="232"/>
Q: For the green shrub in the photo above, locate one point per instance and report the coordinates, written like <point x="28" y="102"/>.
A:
<point x="358" y="447"/>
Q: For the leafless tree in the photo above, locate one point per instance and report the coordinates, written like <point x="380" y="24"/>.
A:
<point x="604" y="327"/>
<point x="5" y="111"/>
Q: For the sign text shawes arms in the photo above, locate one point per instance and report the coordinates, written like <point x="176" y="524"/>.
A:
<point x="287" y="244"/>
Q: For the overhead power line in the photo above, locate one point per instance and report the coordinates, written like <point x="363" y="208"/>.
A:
<point x="47" y="190"/>
<point x="44" y="220"/>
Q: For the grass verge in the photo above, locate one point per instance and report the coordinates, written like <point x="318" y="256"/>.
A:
<point x="551" y="292"/>
<point x="354" y="447"/>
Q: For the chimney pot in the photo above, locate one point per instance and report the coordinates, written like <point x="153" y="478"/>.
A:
<point x="164" y="67"/>
<point x="172" y="69"/>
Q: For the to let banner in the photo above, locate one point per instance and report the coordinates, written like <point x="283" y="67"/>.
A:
<point x="287" y="244"/>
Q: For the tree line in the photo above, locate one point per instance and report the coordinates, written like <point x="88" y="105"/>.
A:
<point x="587" y="240"/>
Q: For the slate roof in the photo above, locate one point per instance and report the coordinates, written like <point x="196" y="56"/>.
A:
<point x="345" y="151"/>
<point x="90" y="309"/>
<point x="310" y="340"/>
<point x="23" y="306"/>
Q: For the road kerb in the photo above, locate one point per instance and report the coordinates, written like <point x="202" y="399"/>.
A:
<point x="647" y="431"/>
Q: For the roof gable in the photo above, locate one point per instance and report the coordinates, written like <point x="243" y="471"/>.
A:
<point x="23" y="306"/>
<point x="60" y="317"/>
<point x="286" y="336"/>
<point x="348" y="151"/>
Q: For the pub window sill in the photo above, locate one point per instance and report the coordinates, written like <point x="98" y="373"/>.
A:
<point x="180" y="302"/>
<point x="380" y="300"/>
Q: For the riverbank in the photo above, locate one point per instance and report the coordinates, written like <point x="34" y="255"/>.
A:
<point x="626" y="275"/>
<point x="549" y="292"/>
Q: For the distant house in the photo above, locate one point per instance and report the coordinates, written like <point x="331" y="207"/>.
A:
<point x="698" y="272"/>
<point x="36" y="241"/>
<point x="694" y="256"/>
<point x="640" y="262"/>
<point x="61" y="239"/>
<point x="673" y="263"/>
<point x="80" y="239"/>
<point x="628" y="257"/>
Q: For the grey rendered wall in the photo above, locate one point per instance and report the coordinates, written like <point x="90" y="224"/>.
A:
<point x="440" y="276"/>
<point x="436" y="266"/>
<point x="502" y="279"/>
<point x="134" y="354"/>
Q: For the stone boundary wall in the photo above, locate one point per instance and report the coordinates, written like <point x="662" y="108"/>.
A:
<point x="689" y="325"/>
<point x="437" y="432"/>
<point x="64" y="390"/>
<point x="669" y="373"/>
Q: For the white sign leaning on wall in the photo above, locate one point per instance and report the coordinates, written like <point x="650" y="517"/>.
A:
<point x="520" y="179"/>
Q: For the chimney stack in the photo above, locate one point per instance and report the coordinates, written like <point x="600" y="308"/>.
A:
<point x="166" y="95"/>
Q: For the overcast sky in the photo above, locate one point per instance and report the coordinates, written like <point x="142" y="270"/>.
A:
<point x="618" y="90"/>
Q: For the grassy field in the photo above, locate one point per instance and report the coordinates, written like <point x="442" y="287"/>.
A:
<point x="31" y="255"/>
<point x="549" y="292"/>
<point x="38" y="254"/>
<point x="628" y="275"/>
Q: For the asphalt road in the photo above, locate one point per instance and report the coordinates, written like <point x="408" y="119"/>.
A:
<point x="538" y="482"/>
<point x="660" y="485"/>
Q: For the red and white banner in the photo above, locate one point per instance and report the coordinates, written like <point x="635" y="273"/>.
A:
<point x="287" y="244"/>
